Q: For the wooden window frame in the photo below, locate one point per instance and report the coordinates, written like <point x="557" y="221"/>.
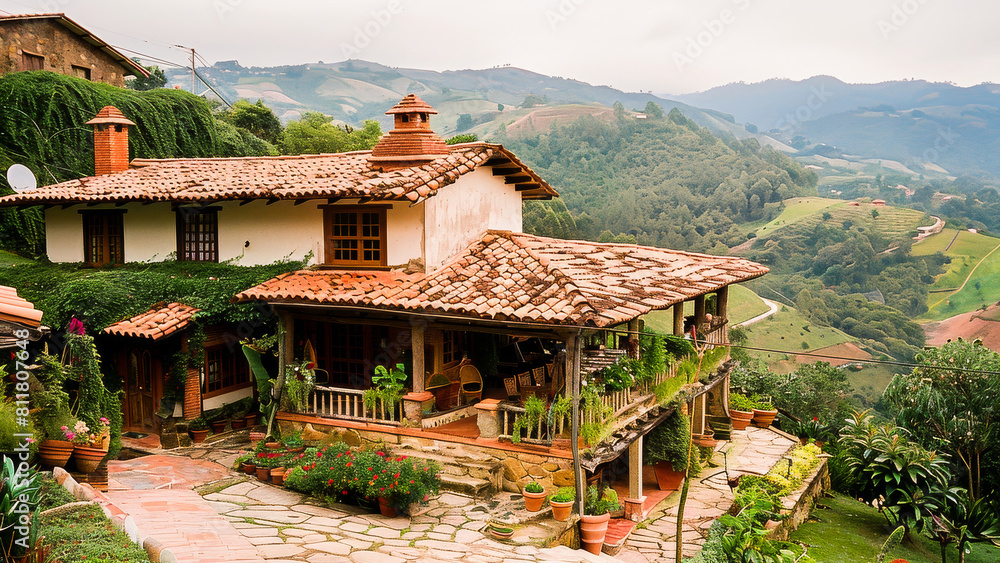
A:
<point x="329" y="238"/>
<point x="111" y="220"/>
<point x="81" y="71"/>
<point x="185" y="224"/>
<point x="234" y="374"/>
<point x="27" y="56"/>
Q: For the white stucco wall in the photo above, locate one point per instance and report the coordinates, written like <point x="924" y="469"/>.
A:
<point x="150" y="232"/>
<point x="64" y="234"/>
<point x="275" y="232"/>
<point x="279" y="231"/>
<point x="459" y="213"/>
<point x="231" y="397"/>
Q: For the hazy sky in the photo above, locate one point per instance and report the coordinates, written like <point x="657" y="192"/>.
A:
<point x="633" y="45"/>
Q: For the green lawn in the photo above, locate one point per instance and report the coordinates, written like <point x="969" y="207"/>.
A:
<point x="894" y="222"/>
<point x="789" y="331"/>
<point x="743" y="304"/>
<point x="796" y="209"/>
<point x="967" y="253"/>
<point x="11" y="259"/>
<point x="843" y="530"/>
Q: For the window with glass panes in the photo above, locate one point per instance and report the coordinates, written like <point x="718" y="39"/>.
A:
<point x="103" y="237"/>
<point x="355" y="236"/>
<point x="224" y="371"/>
<point x="197" y="234"/>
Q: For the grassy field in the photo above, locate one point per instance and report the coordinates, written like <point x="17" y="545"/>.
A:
<point x="806" y="212"/>
<point x="789" y="331"/>
<point x="743" y="304"/>
<point x="797" y="209"/>
<point x="843" y="530"/>
<point x="10" y="259"/>
<point x="981" y="277"/>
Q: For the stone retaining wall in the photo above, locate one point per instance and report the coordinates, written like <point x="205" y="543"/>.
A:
<point x="798" y="504"/>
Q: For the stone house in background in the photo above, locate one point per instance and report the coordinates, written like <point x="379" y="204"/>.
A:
<point x="55" y="43"/>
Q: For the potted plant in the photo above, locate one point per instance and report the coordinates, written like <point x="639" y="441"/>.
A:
<point x="763" y="412"/>
<point x="245" y="463"/>
<point x="264" y="462"/>
<point x="198" y="428"/>
<point x="666" y="449"/>
<point x="387" y="390"/>
<point x="294" y="443"/>
<point x="598" y="505"/>
<point x="740" y="410"/>
<point x="705" y="439"/>
<point x="562" y="503"/>
<point x="52" y="413"/>
<point x="501" y="530"/>
<point x="218" y="420"/>
<point x="534" y="496"/>
<point x="237" y="414"/>
<point x="87" y="456"/>
<point x="300" y="379"/>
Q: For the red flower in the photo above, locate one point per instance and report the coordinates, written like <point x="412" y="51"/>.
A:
<point x="310" y="365"/>
<point x="319" y="454"/>
<point x="344" y="492"/>
<point x="349" y="463"/>
<point x="815" y="419"/>
<point x="411" y="481"/>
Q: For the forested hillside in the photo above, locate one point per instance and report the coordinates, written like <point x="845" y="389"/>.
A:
<point x="661" y="181"/>
<point x="42" y="126"/>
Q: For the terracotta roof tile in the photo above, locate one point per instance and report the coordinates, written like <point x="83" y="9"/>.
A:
<point x="517" y="277"/>
<point x="342" y="175"/>
<point x="159" y="322"/>
<point x="17" y="309"/>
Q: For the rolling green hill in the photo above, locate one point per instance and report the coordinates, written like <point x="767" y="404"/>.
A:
<point x="971" y="280"/>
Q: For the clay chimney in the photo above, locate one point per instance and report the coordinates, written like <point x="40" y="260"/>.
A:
<point x="411" y="142"/>
<point x="110" y="141"/>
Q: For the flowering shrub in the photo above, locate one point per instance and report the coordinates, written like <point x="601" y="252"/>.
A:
<point x="337" y="471"/>
<point x="80" y="435"/>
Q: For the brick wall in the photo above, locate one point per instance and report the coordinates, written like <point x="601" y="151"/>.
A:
<point x="110" y="148"/>
<point x="62" y="51"/>
<point x="192" y="394"/>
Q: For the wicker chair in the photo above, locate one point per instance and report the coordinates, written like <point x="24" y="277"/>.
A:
<point x="471" y="384"/>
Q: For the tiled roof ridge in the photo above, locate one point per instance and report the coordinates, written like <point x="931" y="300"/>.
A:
<point x="159" y="321"/>
<point x="149" y="161"/>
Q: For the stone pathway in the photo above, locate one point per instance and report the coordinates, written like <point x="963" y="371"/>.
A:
<point x="238" y="519"/>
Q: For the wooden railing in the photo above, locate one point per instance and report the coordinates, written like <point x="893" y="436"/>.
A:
<point x="718" y="336"/>
<point x="335" y="402"/>
<point x="614" y="403"/>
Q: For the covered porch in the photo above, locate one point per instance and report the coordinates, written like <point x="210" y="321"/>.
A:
<point x="502" y="334"/>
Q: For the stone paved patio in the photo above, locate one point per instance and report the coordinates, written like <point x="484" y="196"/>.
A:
<point x="241" y="520"/>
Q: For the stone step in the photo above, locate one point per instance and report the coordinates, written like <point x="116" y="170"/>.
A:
<point x="461" y="474"/>
<point x="476" y="488"/>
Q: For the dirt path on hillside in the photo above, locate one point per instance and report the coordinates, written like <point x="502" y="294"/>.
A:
<point x="967" y="278"/>
<point x="772" y="309"/>
<point x="970" y="326"/>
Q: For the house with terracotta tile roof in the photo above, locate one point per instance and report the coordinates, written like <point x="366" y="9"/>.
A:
<point x="418" y="260"/>
<point x="56" y="43"/>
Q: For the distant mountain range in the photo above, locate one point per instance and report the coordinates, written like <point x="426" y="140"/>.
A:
<point x="355" y="90"/>
<point x="924" y="125"/>
<point x="918" y="127"/>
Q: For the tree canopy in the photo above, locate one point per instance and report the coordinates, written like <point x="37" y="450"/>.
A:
<point x="315" y="134"/>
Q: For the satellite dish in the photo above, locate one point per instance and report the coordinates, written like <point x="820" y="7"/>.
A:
<point x="21" y="178"/>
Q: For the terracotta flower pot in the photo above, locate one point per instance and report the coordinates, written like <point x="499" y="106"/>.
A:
<point x="87" y="458"/>
<point x="264" y="474"/>
<point x="249" y="468"/>
<point x="238" y="423"/>
<point x="252" y="418"/>
<point x="272" y="445"/>
<point x="501" y="533"/>
<point x="533" y="501"/>
<point x="666" y="477"/>
<point x="218" y="426"/>
<point x="704" y="440"/>
<point x="386" y="508"/>
<point x="198" y="436"/>
<point x="763" y="419"/>
<point x="592" y="531"/>
<point x="561" y="510"/>
<point x="55" y="453"/>
<point x="278" y="475"/>
<point x="740" y="419"/>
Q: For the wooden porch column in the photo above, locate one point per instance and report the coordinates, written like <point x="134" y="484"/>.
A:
<point x="679" y="319"/>
<point x="699" y="315"/>
<point x="722" y="302"/>
<point x="419" y="369"/>
<point x="635" y="469"/>
<point x="633" y="336"/>
<point x="573" y="346"/>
